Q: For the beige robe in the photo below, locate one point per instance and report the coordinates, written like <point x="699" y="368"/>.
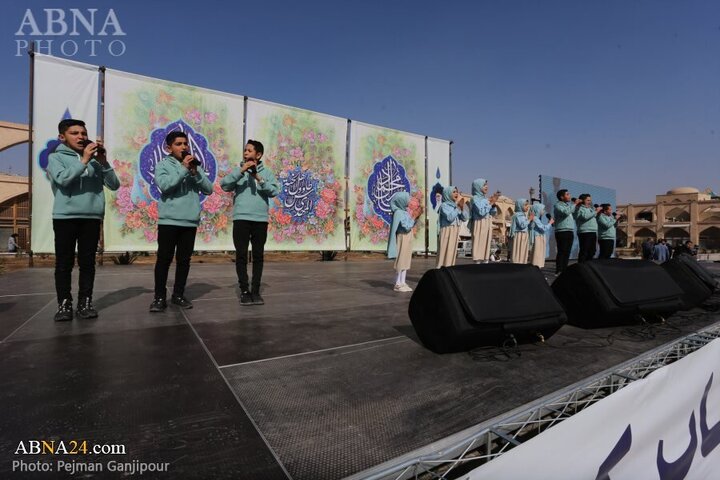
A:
<point x="404" y="251"/>
<point x="538" y="255"/>
<point x="520" y="247"/>
<point x="481" y="239"/>
<point x="448" y="246"/>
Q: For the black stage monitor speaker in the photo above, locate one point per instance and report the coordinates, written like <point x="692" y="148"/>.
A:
<point x="612" y="292"/>
<point x="695" y="281"/>
<point x="467" y="306"/>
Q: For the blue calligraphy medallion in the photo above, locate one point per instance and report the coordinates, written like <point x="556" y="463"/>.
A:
<point x="152" y="153"/>
<point x="299" y="194"/>
<point x="51" y="145"/>
<point x="387" y="179"/>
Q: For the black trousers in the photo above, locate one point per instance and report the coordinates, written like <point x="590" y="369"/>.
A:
<point x="588" y="246"/>
<point x="180" y="243"/>
<point x="85" y="233"/>
<point x="254" y="233"/>
<point x="563" y="241"/>
<point x="606" y="248"/>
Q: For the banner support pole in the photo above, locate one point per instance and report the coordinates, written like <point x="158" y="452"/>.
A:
<point x="347" y="190"/>
<point x="31" y="53"/>
<point x="425" y="198"/>
<point x="101" y="134"/>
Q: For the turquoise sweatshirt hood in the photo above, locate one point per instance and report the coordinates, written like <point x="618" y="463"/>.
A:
<point x="252" y="199"/>
<point x="447" y="194"/>
<point x="78" y="188"/>
<point x="477" y="186"/>
<point x="180" y="200"/>
<point x="519" y="221"/>
<point x="480" y="206"/>
<point x="537" y="226"/>
<point x="449" y="211"/>
<point x="398" y="204"/>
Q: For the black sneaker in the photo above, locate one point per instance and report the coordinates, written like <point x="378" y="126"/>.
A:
<point x="181" y="302"/>
<point x="65" y="311"/>
<point x="158" y="305"/>
<point x="85" y="308"/>
<point x="246" y="298"/>
<point x="257" y="299"/>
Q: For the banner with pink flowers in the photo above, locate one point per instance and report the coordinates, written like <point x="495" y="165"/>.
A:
<point x="139" y="113"/>
<point x="306" y="152"/>
<point x="382" y="163"/>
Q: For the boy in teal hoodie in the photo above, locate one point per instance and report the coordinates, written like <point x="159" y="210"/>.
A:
<point x="253" y="185"/>
<point x="78" y="170"/>
<point x="180" y="179"/>
<point x="606" y="230"/>
<point x="587" y="227"/>
<point x="564" y="229"/>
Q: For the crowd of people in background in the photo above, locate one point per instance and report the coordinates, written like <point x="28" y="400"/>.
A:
<point x="660" y="252"/>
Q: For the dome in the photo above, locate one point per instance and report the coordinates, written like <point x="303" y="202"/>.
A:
<point x="682" y="190"/>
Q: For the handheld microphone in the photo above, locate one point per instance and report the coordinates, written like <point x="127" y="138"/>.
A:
<point x="86" y="142"/>
<point x="194" y="162"/>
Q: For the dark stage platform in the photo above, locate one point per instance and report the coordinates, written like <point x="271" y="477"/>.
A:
<point x="324" y="381"/>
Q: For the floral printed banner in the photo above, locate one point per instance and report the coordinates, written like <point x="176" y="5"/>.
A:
<point x="140" y="112"/>
<point x="62" y="89"/>
<point x="438" y="172"/>
<point x="306" y="152"/>
<point x="382" y="163"/>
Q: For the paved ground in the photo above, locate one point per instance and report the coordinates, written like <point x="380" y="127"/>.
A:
<point x="325" y="380"/>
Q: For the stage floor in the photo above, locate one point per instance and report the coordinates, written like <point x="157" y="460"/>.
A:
<point x="324" y="381"/>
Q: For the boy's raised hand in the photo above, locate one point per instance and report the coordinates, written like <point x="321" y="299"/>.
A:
<point x="100" y="153"/>
<point x="247" y="165"/>
<point x="88" y="153"/>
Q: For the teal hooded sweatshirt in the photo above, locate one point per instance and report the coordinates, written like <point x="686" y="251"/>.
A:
<point x="480" y="206"/>
<point x="449" y="211"/>
<point x="520" y="221"/>
<point x="401" y="220"/>
<point x="563" y="215"/>
<point x="179" y="204"/>
<point x="585" y="219"/>
<point x="537" y="226"/>
<point x="78" y="188"/>
<point x="252" y="198"/>
<point x="606" y="227"/>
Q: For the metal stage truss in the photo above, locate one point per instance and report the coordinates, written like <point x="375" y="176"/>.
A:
<point x="456" y="455"/>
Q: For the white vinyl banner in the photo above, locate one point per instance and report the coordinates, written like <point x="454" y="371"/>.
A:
<point x="61" y="89"/>
<point x="438" y="176"/>
<point x="666" y="426"/>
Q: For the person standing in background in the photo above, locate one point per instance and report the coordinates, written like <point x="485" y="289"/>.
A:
<point x="12" y="243"/>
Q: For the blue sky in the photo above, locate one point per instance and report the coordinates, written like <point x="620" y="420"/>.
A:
<point x="618" y="93"/>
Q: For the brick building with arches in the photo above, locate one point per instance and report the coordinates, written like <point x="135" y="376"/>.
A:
<point x="681" y="214"/>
